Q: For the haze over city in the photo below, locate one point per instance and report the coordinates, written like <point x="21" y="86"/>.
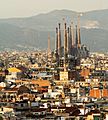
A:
<point x="25" y="8"/>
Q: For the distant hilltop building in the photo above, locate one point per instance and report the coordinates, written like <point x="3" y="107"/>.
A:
<point x="69" y="55"/>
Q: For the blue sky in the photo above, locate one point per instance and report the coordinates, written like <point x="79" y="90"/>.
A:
<point x="22" y="8"/>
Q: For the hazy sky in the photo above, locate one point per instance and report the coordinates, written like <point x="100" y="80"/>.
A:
<point x="22" y="8"/>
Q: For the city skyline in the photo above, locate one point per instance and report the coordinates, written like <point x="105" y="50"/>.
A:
<point x="24" y="8"/>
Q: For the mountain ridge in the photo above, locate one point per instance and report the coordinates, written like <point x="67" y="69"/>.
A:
<point x="33" y="31"/>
